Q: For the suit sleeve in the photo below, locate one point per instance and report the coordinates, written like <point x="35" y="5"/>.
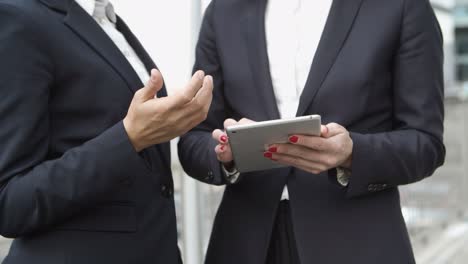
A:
<point x="37" y="193"/>
<point x="414" y="149"/>
<point x="196" y="148"/>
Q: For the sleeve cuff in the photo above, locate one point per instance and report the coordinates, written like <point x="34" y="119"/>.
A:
<point x="122" y="150"/>
<point x="342" y="176"/>
<point x="231" y="176"/>
<point x="364" y="177"/>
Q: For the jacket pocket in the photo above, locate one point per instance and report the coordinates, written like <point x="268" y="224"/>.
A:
<point x="115" y="217"/>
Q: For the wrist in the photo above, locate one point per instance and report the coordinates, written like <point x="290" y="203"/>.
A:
<point x="229" y="166"/>
<point x="348" y="163"/>
<point x="132" y="135"/>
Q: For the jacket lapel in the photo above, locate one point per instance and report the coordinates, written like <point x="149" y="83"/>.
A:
<point x="254" y="26"/>
<point x="339" y="23"/>
<point x="149" y="65"/>
<point x="91" y="33"/>
<point x="139" y="49"/>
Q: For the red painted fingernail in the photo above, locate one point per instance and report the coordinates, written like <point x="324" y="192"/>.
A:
<point x="294" y="139"/>
<point x="222" y="148"/>
<point x="273" y="149"/>
<point x="223" y="139"/>
<point x="268" y="155"/>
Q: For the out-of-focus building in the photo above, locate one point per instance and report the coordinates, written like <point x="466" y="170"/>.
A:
<point x="461" y="44"/>
<point x="444" y="10"/>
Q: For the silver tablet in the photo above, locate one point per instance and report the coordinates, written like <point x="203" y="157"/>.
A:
<point x="249" y="142"/>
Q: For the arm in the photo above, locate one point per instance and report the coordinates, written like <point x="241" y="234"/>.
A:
<point x="415" y="148"/>
<point x="36" y="193"/>
<point x="196" y="148"/>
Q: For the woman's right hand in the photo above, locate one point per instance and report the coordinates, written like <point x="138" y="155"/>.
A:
<point x="223" y="149"/>
<point x="151" y="120"/>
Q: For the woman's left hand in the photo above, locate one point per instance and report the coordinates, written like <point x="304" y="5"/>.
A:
<point x="315" y="154"/>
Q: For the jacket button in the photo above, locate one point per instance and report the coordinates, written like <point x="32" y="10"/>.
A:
<point x="209" y="177"/>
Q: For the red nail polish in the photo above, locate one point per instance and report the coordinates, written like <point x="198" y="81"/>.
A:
<point x="223" y="139"/>
<point x="222" y="148"/>
<point x="293" y="139"/>
<point x="273" y="149"/>
<point x="268" y="155"/>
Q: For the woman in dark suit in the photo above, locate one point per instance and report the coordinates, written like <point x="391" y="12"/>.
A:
<point x="373" y="70"/>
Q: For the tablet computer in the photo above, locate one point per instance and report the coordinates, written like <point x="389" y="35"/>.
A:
<point x="249" y="141"/>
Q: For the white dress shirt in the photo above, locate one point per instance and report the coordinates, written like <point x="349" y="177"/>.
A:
<point x="103" y="12"/>
<point x="293" y="31"/>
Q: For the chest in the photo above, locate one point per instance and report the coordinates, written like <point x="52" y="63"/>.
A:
<point x="349" y="57"/>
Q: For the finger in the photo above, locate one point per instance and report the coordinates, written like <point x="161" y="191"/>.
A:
<point x="205" y="94"/>
<point x="334" y="129"/>
<point x="223" y="150"/>
<point x="220" y="136"/>
<point x="157" y="80"/>
<point x="229" y="122"/>
<point x="186" y="95"/>
<point x="324" y="131"/>
<point x="223" y="153"/>
<point x="218" y="150"/>
<point x="154" y="85"/>
<point x="244" y="121"/>
<point x="326" y="159"/>
<point x="297" y="151"/>
<point x="298" y="162"/>
<point x="312" y="142"/>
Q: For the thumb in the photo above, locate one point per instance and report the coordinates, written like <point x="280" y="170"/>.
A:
<point x="331" y="130"/>
<point x="245" y="121"/>
<point x="154" y="85"/>
<point x="324" y="131"/>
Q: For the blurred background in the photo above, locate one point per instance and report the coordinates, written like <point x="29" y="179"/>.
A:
<point x="436" y="210"/>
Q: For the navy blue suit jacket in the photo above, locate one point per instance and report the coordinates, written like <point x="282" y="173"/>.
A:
<point x="378" y="72"/>
<point x="72" y="187"/>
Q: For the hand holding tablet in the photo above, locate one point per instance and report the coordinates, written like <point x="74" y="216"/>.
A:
<point x="301" y="142"/>
<point x="249" y="140"/>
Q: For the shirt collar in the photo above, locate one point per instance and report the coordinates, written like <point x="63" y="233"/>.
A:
<point x="89" y="6"/>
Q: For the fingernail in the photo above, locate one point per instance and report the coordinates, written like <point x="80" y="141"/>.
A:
<point x="222" y="148"/>
<point x="200" y="75"/>
<point x="293" y="139"/>
<point x="268" y="155"/>
<point x="223" y="139"/>
<point x="273" y="149"/>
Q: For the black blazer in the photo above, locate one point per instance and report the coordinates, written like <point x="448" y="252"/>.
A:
<point x="378" y="72"/>
<point x="72" y="188"/>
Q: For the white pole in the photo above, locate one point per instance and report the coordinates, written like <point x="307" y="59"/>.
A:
<point x="191" y="220"/>
<point x="191" y="195"/>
